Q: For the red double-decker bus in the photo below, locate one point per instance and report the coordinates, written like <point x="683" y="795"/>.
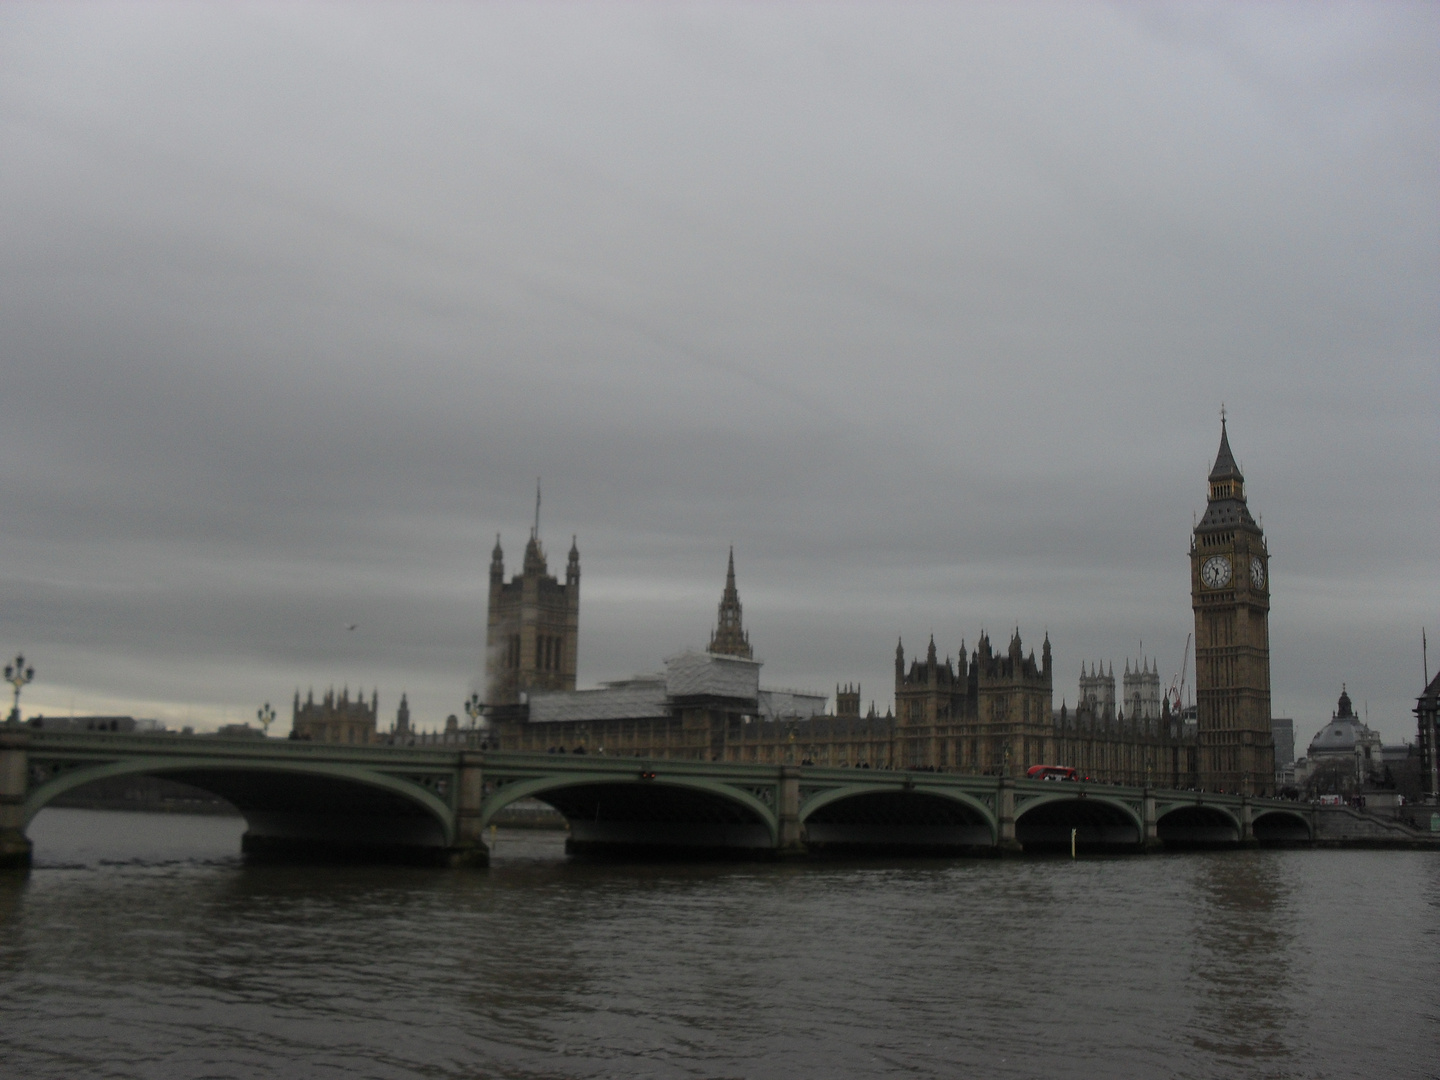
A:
<point x="1051" y="772"/>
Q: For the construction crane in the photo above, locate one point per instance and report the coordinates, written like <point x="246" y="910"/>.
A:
<point x="1177" y="684"/>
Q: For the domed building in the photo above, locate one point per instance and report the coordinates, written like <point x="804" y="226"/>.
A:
<point x="1345" y="753"/>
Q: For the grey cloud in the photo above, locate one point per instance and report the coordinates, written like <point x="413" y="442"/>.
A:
<point x="929" y="311"/>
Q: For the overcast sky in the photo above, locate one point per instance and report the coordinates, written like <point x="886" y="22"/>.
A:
<point x="928" y="310"/>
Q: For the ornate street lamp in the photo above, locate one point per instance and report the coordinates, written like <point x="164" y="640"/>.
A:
<point x="266" y="715"/>
<point x="474" y="708"/>
<point x="18" y="675"/>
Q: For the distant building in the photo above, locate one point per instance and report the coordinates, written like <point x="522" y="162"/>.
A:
<point x="1142" y="690"/>
<point x="239" y="731"/>
<point x="1427" y="717"/>
<point x="1097" y="692"/>
<point x="401" y="731"/>
<point x="533" y="627"/>
<point x="1282" y="730"/>
<point x="90" y="723"/>
<point x="1140" y="699"/>
<point x="335" y="719"/>
<point x="1345" y="755"/>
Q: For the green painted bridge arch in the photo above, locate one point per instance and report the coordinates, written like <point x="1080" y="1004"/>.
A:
<point x="227" y="779"/>
<point x="879" y="815"/>
<point x="1199" y="821"/>
<point x="302" y="800"/>
<point x="1098" y="818"/>
<point x="295" y="808"/>
<point x="620" y="804"/>
<point x="1282" y="826"/>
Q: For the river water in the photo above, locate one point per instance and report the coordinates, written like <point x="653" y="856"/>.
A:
<point x="140" y="946"/>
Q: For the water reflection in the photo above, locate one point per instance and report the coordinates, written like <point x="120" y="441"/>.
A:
<point x="176" y="959"/>
<point x="1242" y="935"/>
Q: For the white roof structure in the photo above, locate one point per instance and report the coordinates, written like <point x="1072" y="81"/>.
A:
<point x="697" y="674"/>
<point x="790" y="705"/>
<point x="632" y="699"/>
<point x="687" y="676"/>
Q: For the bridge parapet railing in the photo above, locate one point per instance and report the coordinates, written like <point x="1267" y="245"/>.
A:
<point x="111" y="742"/>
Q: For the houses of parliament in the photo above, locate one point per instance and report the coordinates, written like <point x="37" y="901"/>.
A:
<point x="989" y="710"/>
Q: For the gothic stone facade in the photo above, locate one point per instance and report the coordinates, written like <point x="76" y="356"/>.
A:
<point x="988" y="715"/>
<point x="992" y="714"/>
<point x="335" y="718"/>
<point x="533" y="626"/>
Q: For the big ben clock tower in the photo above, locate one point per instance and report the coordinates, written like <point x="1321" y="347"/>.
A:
<point x="1230" y="592"/>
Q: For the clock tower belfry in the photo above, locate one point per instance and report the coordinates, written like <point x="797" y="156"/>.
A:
<point x="1230" y="592"/>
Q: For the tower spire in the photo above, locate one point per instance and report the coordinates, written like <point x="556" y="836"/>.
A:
<point x="730" y="638"/>
<point x="1225" y="467"/>
<point x="534" y="553"/>
<point x="1226" y="507"/>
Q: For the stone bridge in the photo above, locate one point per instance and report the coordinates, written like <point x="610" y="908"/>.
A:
<point x="432" y="805"/>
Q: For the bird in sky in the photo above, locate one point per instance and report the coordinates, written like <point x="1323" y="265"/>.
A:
<point x="352" y="626"/>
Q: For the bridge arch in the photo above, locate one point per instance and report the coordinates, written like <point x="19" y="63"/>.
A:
<point x="1100" y="822"/>
<point x="609" y="812"/>
<point x="1280" y="827"/>
<point x="299" y="807"/>
<point x="1197" y="824"/>
<point x="881" y="817"/>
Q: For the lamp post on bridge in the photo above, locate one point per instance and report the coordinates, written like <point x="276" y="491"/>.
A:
<point x="266" y="715"/>
<point x="475" y="709"/>
<point x="18" y="675"/>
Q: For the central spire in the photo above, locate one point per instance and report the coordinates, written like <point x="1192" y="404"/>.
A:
<point x="1225" y="467"/>
<point x="730" y="638"/>
<point x="534" y="553"/>
<point x="1226" y="509"/>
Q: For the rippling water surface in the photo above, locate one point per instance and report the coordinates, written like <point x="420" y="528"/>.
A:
<point x="140" y="946"/>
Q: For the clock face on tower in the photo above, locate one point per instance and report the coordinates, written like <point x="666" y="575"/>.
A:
<point x="1215" y="573"/>
<point x="1257" y="572"/>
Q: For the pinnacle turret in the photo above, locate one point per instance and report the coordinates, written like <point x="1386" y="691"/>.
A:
<point x="534" y="556"/>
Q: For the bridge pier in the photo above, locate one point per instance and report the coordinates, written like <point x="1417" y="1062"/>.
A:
<point x="1247" y="823"/>
<point x="15" y="846"/>
<point x="1005" y="817"/>
<point x="1151" y="840"/>
<point x="790" y="835"/>
<point x="469" y="848"/>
